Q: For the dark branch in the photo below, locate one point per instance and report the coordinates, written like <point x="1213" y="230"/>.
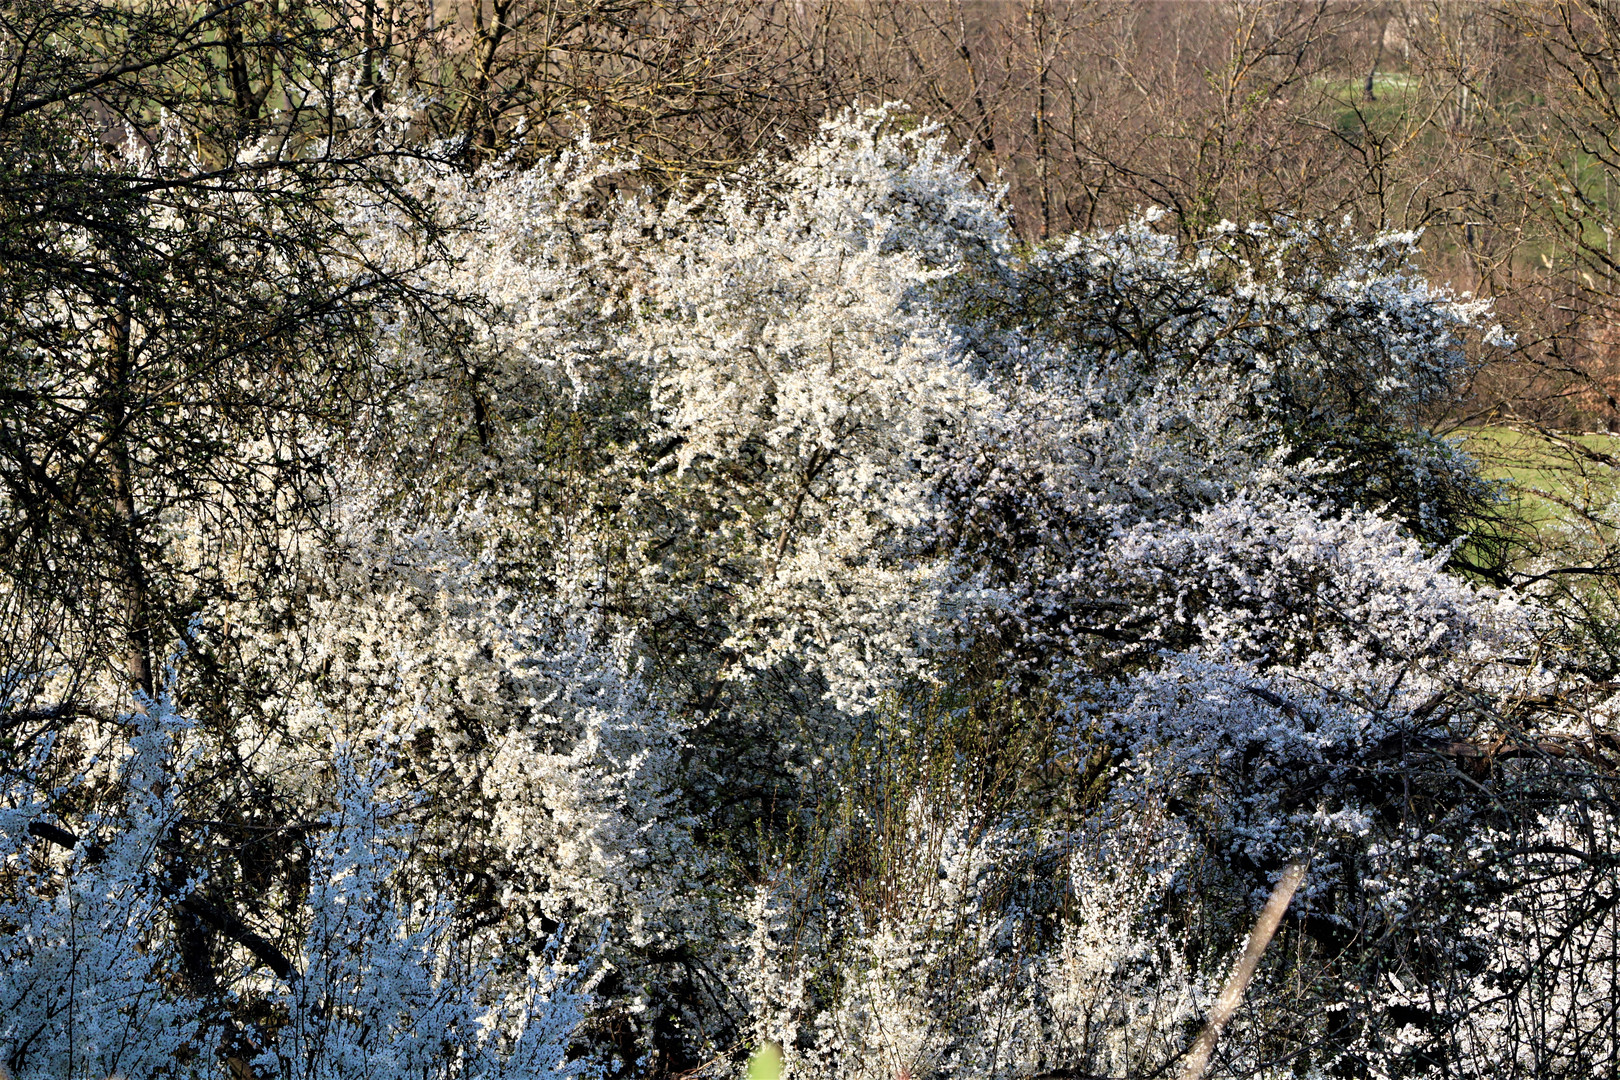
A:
<point x="196" y="906"/>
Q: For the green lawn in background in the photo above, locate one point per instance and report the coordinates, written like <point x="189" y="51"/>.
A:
<point x="1395" y="93"/>
<point x="1386" y="84"/>
<point x="1548" y="479"/>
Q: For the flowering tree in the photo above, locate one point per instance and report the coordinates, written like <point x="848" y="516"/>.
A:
<point x="818" y="620"/>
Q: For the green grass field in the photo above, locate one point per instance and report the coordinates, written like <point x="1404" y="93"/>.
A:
<point x="1555" y="483"/>
<point x="1386" y="84"/>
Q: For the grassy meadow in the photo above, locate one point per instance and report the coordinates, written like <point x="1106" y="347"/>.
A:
<point x="1561" y="491"/>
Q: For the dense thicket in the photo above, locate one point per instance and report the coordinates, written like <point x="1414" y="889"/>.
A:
<point x="481" y="607"/>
